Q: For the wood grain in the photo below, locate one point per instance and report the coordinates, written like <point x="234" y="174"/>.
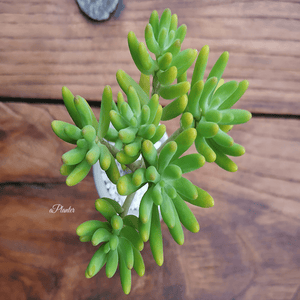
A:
<point x="47" y="45"/>
<point x="256" y="217"/>
<point x="42" y="258"/>
<point x="29" y="149"/>
<point x="247" y="247"/>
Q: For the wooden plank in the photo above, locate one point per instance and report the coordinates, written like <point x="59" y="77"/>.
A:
<point x="247" y="246"/>
<point x="42" y="258"/>
<point x="255" y="220"/>
<point x="45" y="46"/>
<point x="29" y="149"/>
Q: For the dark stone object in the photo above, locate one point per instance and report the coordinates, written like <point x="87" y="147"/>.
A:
<point x="98" y="10"/>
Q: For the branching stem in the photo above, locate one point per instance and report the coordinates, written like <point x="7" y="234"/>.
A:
<point x="171" y="138"/>
<point x="126" y="205"/>
<point x="155" y="84"/>
<point x="112" y="149"/>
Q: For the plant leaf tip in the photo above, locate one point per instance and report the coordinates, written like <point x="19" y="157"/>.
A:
<point x="225" y="55"/>
<point x="64" y="89"/>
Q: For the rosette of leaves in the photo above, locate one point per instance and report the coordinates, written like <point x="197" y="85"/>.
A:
<point x="133" y="122"/>
<point x="86" y="134"/>
<point x="164" y="39"/>
<point x="167" y="190"/>
<point x="119" y="240"/>
<point x="209" y="111"/>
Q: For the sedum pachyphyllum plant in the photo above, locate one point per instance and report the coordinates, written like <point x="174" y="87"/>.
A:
<point x="206" y="117"/>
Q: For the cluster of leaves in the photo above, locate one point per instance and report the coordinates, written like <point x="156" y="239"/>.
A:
<point x="86" y="134"/>
<point x="133" y="122"/>
<point x="120" y="243"/>
<point x="167" y="191"/>
<point x="206" y="118"/>
<point x="209" y="111"/>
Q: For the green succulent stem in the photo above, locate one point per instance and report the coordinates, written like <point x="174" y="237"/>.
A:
<point x="137" y="165"/>
<point x="126" y="205"/>
<point x="155" y="84"/>
<point x="112" y="149"/>
<point x="171" y="138"/>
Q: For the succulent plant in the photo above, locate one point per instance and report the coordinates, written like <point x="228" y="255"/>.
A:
<point x="126" y="133"/>
<point x="210" y="105"/>
<point x="120" y="243"/>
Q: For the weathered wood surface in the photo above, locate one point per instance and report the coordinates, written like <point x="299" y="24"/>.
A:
<point x="247" y="248"/>
<point x="29" y="150"/>
<point x="50" y="44"/>
<point x="244" y="250"/>
<point x="248" y="245"/>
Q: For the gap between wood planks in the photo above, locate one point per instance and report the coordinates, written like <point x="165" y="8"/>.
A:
<point x="97" y="104"/>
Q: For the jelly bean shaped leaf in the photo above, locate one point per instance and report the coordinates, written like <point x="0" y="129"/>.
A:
<point x="68" y="99"/>
<point x="106" y="106"/>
